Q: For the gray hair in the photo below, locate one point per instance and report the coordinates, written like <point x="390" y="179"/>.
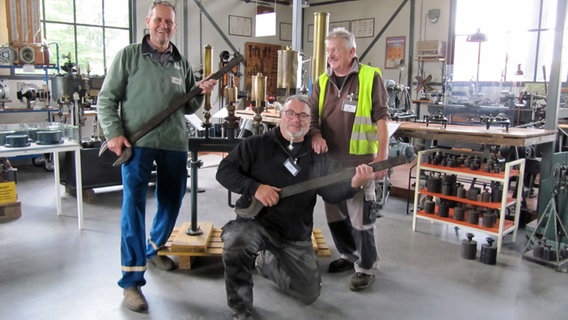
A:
<point x="298" y="97"/>
<point x="344" y="34"/>
<point x="155" y="3"/>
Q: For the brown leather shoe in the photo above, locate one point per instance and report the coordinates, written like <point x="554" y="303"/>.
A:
<point x="134" y="299"/>
<point x="163" y="262"/>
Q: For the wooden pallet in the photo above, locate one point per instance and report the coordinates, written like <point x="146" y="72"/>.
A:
<point x="209" y="243"/>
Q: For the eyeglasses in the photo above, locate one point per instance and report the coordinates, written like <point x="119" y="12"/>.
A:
<point x="291" y="115"/>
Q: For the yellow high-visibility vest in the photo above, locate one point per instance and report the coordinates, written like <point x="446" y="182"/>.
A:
<point x="364" y="132"/>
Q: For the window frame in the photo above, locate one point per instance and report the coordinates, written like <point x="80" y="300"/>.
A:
<point x="56" y="60"/>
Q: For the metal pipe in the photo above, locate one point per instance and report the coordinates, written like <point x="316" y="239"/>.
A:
<point x="194" y="229"/>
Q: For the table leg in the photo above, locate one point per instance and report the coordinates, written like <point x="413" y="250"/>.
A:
<point x="79" y="187"/>
<point x="57" y="182"/>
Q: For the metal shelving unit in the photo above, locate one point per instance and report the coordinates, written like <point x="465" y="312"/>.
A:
<point x="513" y="169"/>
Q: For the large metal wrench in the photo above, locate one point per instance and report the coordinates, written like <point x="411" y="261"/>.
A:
<point x="171" y="109"/>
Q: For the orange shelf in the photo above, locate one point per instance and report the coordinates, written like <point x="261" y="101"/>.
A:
<point x="490" y="205"/>
<point x="463" y="169"/>
<point x="450" y="219"/>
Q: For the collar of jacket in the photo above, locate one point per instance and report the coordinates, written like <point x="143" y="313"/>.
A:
<point x="146" y="49"/>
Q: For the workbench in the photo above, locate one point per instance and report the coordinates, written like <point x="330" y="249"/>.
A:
<point x="67" y="145"/>
<point x="495" y="135"/>
<point x="268" y="117"/>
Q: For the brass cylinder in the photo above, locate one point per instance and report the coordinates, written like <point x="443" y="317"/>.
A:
<point x="321" y="26"/>
<point x="231" y="91"/>
<point x="207" y="67"/>
<point x="258" y="88"/>
<point x="289" y="71"/>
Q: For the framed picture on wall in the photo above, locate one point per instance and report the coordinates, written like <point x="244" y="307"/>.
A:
<point x="310" y="31"/>
<point x="340" y="24"/>
<point x="240" y="26"/>
<point x="363" y="28"/>
<point x="394" y="51"/>
<point x="285" y="31"/>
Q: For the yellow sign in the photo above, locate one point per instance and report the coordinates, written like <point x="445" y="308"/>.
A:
<point x="8" y="192"/>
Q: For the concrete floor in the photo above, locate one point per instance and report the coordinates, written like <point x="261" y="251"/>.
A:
<point x="51" y="270"/>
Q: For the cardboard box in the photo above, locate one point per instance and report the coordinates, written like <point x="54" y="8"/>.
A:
<point x="10" y="211"/>
<point x="8" y="192"/>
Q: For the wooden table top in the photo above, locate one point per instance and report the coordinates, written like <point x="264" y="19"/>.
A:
<point x="495" y="135"/>
<point x="269" y="117"/>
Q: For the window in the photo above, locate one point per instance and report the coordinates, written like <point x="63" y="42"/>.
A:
<point x="518" y="39"/>
<point x="91" y="31"/>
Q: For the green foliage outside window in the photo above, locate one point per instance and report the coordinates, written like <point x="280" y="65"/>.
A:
<point x="91" y="31"/>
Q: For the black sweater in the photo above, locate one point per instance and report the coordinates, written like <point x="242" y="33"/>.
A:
<point x="259" y="160"/>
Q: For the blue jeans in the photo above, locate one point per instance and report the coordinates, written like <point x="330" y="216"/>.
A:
<point x="171" y="182"/>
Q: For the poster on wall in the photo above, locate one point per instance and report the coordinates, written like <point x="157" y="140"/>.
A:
<point x="394" y="52"/>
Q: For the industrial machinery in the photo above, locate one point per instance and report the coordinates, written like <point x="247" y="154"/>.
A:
<point x="71" y="92"/>
<point x="29" y="93"/>
<point x="4" y="94"/>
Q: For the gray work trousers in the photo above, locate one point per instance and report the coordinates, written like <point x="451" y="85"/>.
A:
<point x="291" y="265"/>
<point x="353" y="214"/>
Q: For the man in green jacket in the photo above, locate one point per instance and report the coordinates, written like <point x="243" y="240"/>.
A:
<point x="143" y="80"/>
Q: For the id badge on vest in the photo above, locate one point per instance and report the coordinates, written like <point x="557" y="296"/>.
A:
<point x="292" y="167"/>
<point x="349" y="104"/>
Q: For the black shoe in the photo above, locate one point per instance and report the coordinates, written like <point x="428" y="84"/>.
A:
<point x="361" y="281"/>
<point x="340" y="265"/>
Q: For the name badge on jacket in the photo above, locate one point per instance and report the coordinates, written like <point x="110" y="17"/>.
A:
<point x="350" y="104"/>
<point x="292" y="167"/>
<point x="176" y="81"/>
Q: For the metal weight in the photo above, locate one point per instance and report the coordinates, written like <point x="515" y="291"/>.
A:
<point x="473" y="216"/>
<point x="461" y="191"/>
<point x="496" y="191"/>
<point x="434" y="184"/>
<point x="459" y="213"/>
<point x="488" y="252"/>
<point x="444" y="209"/>
<point x="429" y="205"/>
<point x="489" y="219"/>
<point x="485" y="196"/>
<point x="469" y="247"/>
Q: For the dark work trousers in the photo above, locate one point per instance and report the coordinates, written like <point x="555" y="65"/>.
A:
<point x="291" y="265"/>
<point x="353" y="233"/>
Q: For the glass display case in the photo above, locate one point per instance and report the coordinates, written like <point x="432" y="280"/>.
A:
<point x="49" y="133"/>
